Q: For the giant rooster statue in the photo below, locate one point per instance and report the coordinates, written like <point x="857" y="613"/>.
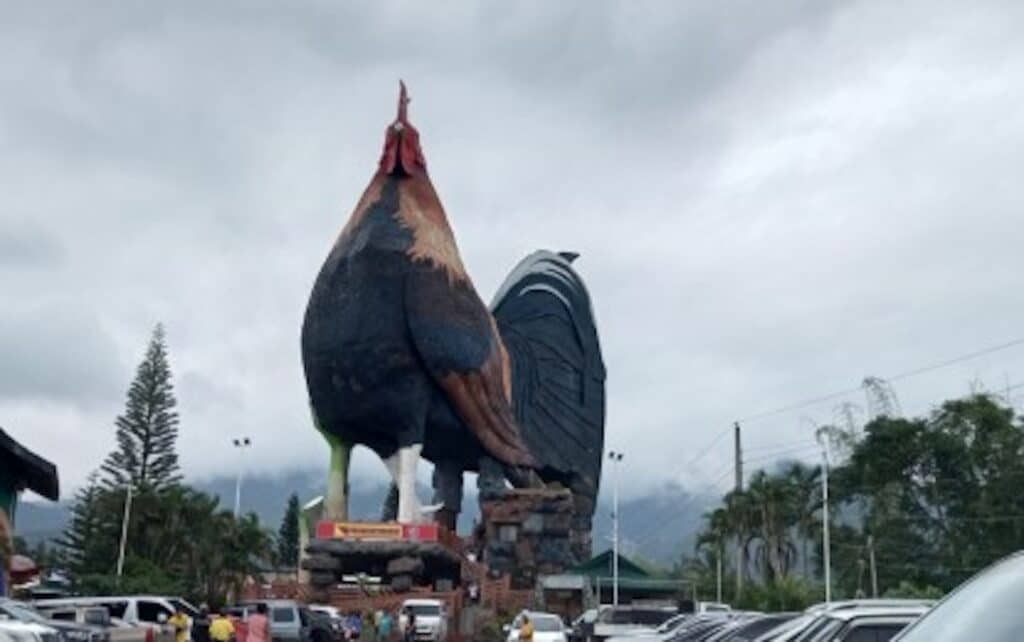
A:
<point x="402" y="356"/>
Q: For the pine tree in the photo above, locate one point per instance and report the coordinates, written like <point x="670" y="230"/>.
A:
<point x="89" y="542"/>
<point x="288" y="535"/>
<point x="145" y="455"/>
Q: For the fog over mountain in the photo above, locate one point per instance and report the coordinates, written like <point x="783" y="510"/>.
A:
<point x="657" y="527"/>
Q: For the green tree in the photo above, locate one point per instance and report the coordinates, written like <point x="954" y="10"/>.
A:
<point x="89" y="542"/>
<point x="288" y="534"/>
<point x="147" y="432"/>
<point x="774" y="512"/>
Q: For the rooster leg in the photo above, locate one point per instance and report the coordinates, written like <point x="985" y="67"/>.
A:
<point x="408" y="502"/>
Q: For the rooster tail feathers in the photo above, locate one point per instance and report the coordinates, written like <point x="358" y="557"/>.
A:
<point x="546" y="321"/>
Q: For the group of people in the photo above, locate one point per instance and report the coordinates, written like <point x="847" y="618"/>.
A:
<point x="375" y="627"/>
<point x="220" y="627"/>
<point x="378" y="627"/>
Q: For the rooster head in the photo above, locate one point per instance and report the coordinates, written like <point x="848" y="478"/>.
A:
<point x="402" y="154"/>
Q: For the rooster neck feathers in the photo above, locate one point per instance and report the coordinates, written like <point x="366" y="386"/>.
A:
<point x="419" y="209"/>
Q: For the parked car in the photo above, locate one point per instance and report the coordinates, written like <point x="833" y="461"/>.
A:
<point x="318" y="627"/>
<point x="985" y="608"/>
<point x="711" y="607"/>
<point x="14" y="631"/>
<point x="877" y="624"/>
<point x="701" y="627"/>
<point x="115" y="630"/>
<point x="285" y="620"/>
<point x="289" y="621"/>
<point x="547" y="627"/>
<point x="798" y="627"/>
<point x="583" y="626"/>
<point x="663" y="632"/>
<point x="430" y="618"/>
<point x="750" y="627"/>
<point x="334" y="617"/>
<point x="68" y="631"/>
<point x="624" y="620"/>
<point x="133" y="609"/>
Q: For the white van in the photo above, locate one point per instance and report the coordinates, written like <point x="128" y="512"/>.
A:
<point x="133" y="609"/>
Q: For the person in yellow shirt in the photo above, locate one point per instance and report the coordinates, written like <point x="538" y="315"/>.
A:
<point x="221" y="629"/>
<point x="526" y="630"/>
<point x="179" y="621"/>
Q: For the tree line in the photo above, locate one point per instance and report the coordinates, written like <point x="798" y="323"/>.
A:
<point x="916" y="506"/>
<point x="179" y="540"/>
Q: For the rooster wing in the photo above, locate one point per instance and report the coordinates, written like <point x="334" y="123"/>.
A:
<point x="458" y="343"/>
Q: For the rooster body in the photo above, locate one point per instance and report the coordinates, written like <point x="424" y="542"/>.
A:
<point x="401" y="354"/>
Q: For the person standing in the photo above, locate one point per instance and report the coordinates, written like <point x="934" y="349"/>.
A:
<point x="384" y="626"/>
<point x="201" y="625"/>
<point x="409" y="635"/>
<point x="179" y="622"/>
<point x="526" y="630"/>
<point x="222" y="629"/>
<point x="259" y="624"/>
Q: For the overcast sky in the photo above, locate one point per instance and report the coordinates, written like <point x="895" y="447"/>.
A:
<point x="771" y="200"/>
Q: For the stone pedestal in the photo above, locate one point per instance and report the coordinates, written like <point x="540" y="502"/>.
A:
<point x="527" y="533"/>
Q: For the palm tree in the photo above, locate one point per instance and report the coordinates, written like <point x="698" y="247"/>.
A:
<point x="774" y="510"/>
<point x="804" y="481"/>
<point x="713" y="538"/>
<point x="738" y="517"/>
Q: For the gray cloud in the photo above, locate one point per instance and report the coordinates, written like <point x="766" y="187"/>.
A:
<point x="55" y="351"/>
<point x="28" y="249"/>
<point x="771" y="200"/>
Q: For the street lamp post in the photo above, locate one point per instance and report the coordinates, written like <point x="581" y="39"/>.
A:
<point x="241" y="443"/>
<point x="825" y="543"/>
<point x="616" y="459"/>
<point x="124" y="530"/>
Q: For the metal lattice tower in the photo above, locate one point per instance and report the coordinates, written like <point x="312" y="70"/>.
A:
<point x="881" y="397"/>
<point x="846" y="417"/>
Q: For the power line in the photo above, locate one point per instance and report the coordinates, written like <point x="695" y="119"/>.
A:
<point x="789" y="451"/>
<point x="902" y="375"/>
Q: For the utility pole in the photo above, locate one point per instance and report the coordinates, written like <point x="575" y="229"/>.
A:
<point x="241" y="443"/>
<point x="874" y="569"/>
<point x="616" y="459"/>
<point x="739" y="458"/>
<point x="718" y="587"/>
<point x="124" y="530"/>
<point x="741" y="557"/>
<point x="825" y="543"/>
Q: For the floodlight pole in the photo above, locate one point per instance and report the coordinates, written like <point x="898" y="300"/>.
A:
<point x="241" y="443"/>
<point x="825" y="543"/>
<point x="616" y="459"/>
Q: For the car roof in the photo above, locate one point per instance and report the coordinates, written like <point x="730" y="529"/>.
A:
<point x="829" y="607"/>
<point x="900" y="611"/>
<point x="105" y="598"/>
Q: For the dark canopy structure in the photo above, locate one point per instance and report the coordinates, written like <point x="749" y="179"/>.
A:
<point x="20" y="468"/>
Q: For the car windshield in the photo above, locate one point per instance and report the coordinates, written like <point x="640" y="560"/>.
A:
<point x="184" y="607"/>
<point x="829" y="629"/>
<point x="21" y="612"/>
<point x="671" y="624"/>
<point x="811" y="631"/>
<point x="424" y="609"/>
<point x="986" y="608"/>
<point x="546" y="623"/>
<point x="648" y="617"/>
